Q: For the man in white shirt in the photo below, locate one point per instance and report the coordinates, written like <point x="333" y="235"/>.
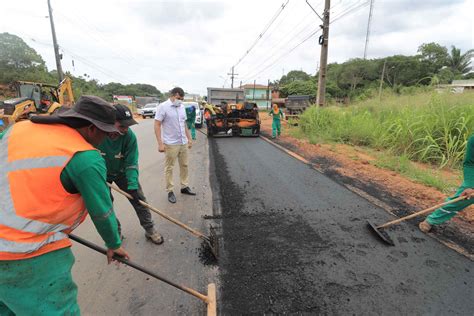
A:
<point x="174" y="140"/>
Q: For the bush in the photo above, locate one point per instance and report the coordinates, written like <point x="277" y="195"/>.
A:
<point x="426" y="127"/>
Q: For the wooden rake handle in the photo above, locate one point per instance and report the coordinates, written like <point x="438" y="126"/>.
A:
<point x="157" y="211"/>
<point x="425" y="211"/>
<point x="186" y="289"/>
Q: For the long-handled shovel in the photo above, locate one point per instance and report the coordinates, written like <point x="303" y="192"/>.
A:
<point x="210" y="299"/>
<point x="211" y="240"/>
<point x="386" y="238"/>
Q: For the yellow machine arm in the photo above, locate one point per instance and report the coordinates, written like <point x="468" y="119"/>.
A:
<point x="65" y="95"/>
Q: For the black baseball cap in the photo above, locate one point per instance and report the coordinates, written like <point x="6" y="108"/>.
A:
<point x="124" y="115"/>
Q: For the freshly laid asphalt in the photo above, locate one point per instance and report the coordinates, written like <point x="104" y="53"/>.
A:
<point x="295" y="241"/>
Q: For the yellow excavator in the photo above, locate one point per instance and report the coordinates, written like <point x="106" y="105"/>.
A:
<point x="35" y="98"/>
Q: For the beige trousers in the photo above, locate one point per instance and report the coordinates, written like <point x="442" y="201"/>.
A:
<point x="171" y="153"/>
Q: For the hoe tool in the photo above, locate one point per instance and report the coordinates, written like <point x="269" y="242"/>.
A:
<point x="210" y="299"/>
<point x="212" y="241"/>
<point x="379" y="232"/>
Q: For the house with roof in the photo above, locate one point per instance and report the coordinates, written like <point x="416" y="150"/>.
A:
<point x="258" y="94"/>
<point x="458" y="86"/>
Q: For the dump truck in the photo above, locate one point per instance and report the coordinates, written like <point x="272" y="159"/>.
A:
<point x="216" y="96"/>
<point x="35" y="98"/>
<point x="234" y="119"/>
<point x="297" y="104"/>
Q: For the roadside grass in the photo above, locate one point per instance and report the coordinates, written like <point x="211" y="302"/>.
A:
<point x="428" y="127"/>
<point x="430" y="177"/>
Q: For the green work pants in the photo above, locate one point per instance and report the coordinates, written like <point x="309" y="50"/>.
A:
<point x="276" y="128"/>
<point x="192" y="128"/>
<point x="447" y="212"/>
<point x="40" y="286"/>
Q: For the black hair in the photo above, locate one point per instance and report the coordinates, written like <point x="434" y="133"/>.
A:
<point x="177" y="90"/>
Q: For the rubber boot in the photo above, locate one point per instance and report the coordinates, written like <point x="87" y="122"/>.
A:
<point x="424" y="226"/>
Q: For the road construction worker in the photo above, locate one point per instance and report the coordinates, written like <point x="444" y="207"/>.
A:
<point x="191" y="120"/>
<point x="52" y="176"/>
<point x="447" y="212"/>
<point x="277" y="115"/>
<point x="121" y="158"/>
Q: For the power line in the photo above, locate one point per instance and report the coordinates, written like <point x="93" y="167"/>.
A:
<point x="287" y="53"/>
<point x="93" y="65"/>
<point x="285" y="39"/>
<point x="350" y="9"/>
<point x="85" y="61"/>
<point x="94" y="34"/>
<point x="292" y="38"/>
<point x="340" y="14"/>
<point x="265" y="29"/>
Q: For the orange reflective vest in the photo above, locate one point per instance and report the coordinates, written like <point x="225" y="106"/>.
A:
<point x="36" y="212"/>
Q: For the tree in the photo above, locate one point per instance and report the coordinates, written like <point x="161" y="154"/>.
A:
<point x="18" y="61"/>
<point x="294" y="75"/>
<point x="445" y="75"/>
<point x="15" y="53"/>
<point x="299" y="87"/>
<point x="460" y="63"/>
<point x="434" y="56"/>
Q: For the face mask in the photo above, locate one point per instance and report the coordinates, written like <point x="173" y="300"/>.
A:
<point x="177" y="102"/>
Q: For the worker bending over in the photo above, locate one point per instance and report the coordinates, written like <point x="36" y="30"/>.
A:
<point x="121" y="158"/>
<point x="276" y="124"/>
<point x="52" y="177"/>
<point x="447" y="212"/>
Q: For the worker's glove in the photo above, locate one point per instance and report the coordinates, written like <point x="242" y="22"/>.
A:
<point x="135" y="196"/>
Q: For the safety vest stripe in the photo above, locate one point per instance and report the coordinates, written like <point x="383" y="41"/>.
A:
<point x="20" y="247"/>
<point x="8" y="215"/>
<point x="34" y="163"/>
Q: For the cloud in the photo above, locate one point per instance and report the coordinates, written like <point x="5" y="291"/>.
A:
<point x="192" y="43"/>
<point x="166" y="14"/>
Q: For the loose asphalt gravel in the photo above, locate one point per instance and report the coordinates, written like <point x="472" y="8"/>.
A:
<point x="295" y="241"/>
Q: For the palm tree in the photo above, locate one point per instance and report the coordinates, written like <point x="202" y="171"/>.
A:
<point x="460" y="64"/>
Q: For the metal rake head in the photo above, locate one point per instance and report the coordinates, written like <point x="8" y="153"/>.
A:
<point x="213" y="241"/>
<point x="382" y="235"/>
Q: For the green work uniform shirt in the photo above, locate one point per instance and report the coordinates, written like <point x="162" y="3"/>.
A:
<point x="276" y="116"/>
<point x="121" y="158"/>
<point x="468" y="164"/>
<point x="85" y="173"/>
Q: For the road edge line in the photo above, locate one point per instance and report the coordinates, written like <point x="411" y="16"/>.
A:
<point x="368" y="197"/>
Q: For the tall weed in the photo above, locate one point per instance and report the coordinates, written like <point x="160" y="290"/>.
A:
<point x="427" y="127"/>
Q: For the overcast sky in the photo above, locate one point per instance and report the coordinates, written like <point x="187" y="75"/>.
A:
<point x="193" y="44"/>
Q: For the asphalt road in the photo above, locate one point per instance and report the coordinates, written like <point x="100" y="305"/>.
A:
<point x="106" y="290"/>
<point x="294" y="241"/>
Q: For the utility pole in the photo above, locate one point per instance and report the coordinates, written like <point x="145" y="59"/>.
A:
<point x="254" y="90"/>
<point x="268" y="94"/>
<point x="232" y="76"/>
<point x="368" y="28"/>
<point x="323" y="40"/>
<point x="55" y="44"/>
<point x="381" y="80"/>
